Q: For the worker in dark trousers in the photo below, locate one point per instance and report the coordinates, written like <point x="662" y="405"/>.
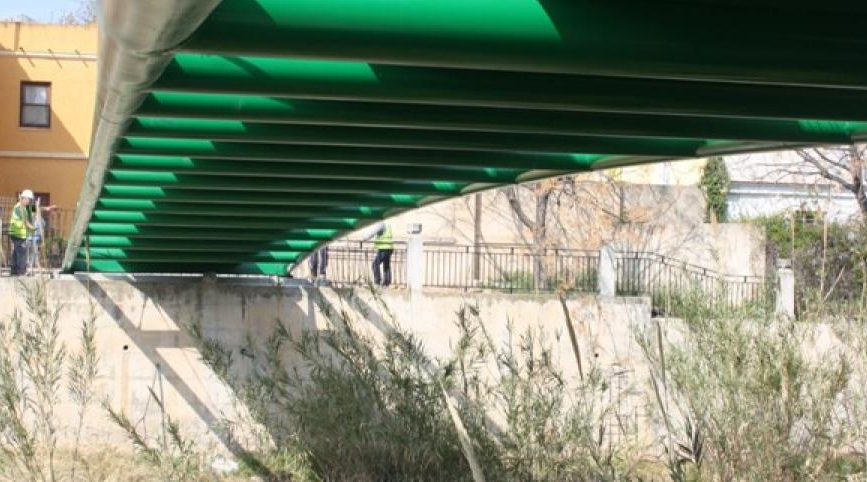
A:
<point x="318" y="262"/>
<point x="383" y="242"/>
<point x="20" y="226"/>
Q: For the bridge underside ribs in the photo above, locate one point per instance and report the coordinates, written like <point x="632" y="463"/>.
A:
<point x="236" y="136"/>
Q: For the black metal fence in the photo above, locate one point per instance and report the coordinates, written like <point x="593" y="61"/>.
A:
<point x="351" y="262"/>
<point x="490" y="266"/>
<point x="49" y="251"/>
<point x="510" y="268"/>
<point x="662" y="278"/>
<point x="515" y="268"/>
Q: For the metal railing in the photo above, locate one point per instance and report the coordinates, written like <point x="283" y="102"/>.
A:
<point x="662" y="277"/>
<point x="503" y="267"/>
<point x="52" y="246"/>
<point x="510" y="268"/>
<point x="350" y="262"/>
<point x="521" y="268"/>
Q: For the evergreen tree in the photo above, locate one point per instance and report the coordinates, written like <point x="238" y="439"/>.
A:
<point x="715" y="185"/>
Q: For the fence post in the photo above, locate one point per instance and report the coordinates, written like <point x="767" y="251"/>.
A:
<point x="415" y="265"/>
<point x="785" y="289"/>
<point x="607" y="273"/>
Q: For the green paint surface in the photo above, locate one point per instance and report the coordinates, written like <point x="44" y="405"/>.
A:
<point x="280" y="125"/>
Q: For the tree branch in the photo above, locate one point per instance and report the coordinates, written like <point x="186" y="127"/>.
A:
<point x="827" y="174"/>
<point x="512" y="196"/>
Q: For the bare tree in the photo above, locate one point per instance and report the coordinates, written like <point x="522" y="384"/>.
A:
<point x="845" y="166"/>
<point x="538" y="224"/>
<point x="84" y="13"/>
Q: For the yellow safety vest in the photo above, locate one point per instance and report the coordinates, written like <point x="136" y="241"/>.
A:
<point x="18" y="223"/>
<point x="384" y="240"/>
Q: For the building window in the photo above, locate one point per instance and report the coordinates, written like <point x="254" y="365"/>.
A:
<point x="35" y="104"/>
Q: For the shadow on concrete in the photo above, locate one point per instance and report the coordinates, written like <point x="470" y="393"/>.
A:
<point x="209" y="301"/>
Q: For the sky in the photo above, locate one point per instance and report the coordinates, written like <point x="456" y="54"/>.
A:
<point x="39" y="10"/>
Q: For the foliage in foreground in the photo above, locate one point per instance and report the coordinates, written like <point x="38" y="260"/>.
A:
<point x="369" y="408"/>
<point x="743" y="396"/>
<point x="33" y="359"/>
<point x="829" y="260"/>
<point x="735" y="394"/>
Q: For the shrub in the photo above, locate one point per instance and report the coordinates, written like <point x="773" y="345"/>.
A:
<point x="364" y="408"/>
<point x="830" y="269"/>
<point x="739" y="399"/>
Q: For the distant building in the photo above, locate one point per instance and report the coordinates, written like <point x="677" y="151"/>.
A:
<point x="772" y="183"/>
<point x="677" y="173"/>
<point x="47" y="87"/>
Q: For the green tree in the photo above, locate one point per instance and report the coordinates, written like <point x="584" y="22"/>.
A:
<point x="715" y="185"/>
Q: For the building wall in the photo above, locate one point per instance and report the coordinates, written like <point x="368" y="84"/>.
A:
<point x="678" y="173"/>
<point x="748" y="200"/>
<point x="661" y="219"/>
<point x="50" y="159"/>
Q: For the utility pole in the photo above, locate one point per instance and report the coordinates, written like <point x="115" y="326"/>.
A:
<point x="477" y="236"/>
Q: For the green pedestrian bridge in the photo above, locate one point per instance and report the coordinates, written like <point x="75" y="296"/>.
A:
<point x="235" y="136"/>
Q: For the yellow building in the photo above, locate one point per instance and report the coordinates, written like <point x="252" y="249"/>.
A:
<point x="47" y="86"/>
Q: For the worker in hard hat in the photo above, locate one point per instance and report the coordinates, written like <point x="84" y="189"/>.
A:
<point x="20" y="226"/>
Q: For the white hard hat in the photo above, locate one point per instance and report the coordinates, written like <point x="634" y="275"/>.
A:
<point x="27" y="193"/>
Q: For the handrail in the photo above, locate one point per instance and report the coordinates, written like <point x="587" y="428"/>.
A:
<point x="694" y="268"/>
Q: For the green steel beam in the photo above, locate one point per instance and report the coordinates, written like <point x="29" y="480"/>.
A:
<point x="343" y="155"/>
<point x="217" y="185"/>
<point x="616" y="37"/>
<point x="173" y="245"/>
<point x="223" y="211"/>
<point x="324" y="117"/>
<point x="135" y="44"/>
<point x="178" y="266"/>
<point x="216" y="256"/>
<point x="142" y="205"/>
<point x="203" y="106"/>
<point x="288" y="215"/>
<point x="317" y="79"/>
<point x="134" y="218"/>
<point x="296" y="170"/>
<point x="234" y="131"/>
<point x="380" y="200"/>
<point x="225" y="233"/>
<point x="809" y="6"/>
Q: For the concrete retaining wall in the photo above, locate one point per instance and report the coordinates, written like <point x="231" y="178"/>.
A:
<point x="142" y="343"/>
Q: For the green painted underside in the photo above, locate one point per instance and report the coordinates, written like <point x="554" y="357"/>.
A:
<point x="283" y="124"/>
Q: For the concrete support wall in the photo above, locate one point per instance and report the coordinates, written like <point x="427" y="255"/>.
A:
<point x="143" y="345"/>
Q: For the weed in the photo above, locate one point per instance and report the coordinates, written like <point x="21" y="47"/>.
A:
<point x="379" y="408"/>
<point x="31" y="367"/>
<point x="740" y="399"/>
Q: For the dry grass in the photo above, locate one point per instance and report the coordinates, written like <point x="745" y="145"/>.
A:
<point x="107" y="464"/>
